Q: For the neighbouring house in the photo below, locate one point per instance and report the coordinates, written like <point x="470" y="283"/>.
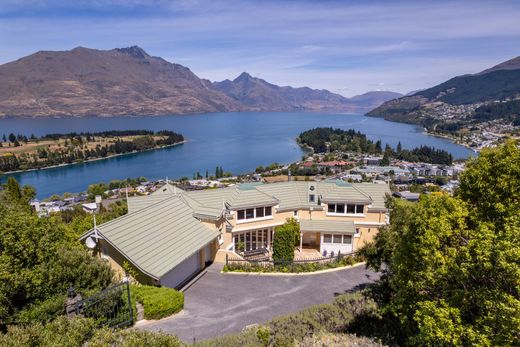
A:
<point x="407" y="195"/>
<point x="372" y="160"/>
<point x="90" y="207"/>
<point x="170" y="235"/>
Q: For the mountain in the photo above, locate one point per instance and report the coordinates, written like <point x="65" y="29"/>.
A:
<point x="259" y="95"/>
<point x="128" y="81"/>
<point x="459" y="96"/>
<point x="371" y="100"/>
<point x="123" y="81"/>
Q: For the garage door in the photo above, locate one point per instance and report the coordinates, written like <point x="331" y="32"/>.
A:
<point x="182" y="272"/>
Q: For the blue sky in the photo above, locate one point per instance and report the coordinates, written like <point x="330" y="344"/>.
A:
<point x="348" y="47"/>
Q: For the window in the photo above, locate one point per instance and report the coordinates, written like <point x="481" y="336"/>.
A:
<point x="311" y="197"/>
<point x="336" y="238"/>
<point x="347" y="239"/>
<point x="345" y="209"/>
<point x="357" y="231"/>
<point x="295" y="214"/>
<point x="327" y="238"/>
<point x="253" y="213"/>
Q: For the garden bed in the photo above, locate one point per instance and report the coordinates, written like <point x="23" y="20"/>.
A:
<point x="292" y="266"/>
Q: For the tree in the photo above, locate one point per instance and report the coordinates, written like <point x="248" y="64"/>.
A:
<point x="399" y="148"/>
<point x="286" y="237"/>
<point x="386" y="160"/>
<point x="450" y="264"/>
<point x="378" y="147"/>
<point x="12" y="137"/>
<point x="40" y="259"/>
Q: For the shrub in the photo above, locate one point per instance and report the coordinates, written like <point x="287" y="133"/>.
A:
<point x="131" y="338"/>
<point x="42" y="312"/>
<point x="60" y="332"/>
<point x="286" y="236"/>
<point x="158" y="302"/>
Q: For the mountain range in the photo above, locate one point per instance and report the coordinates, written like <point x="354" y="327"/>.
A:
<point x="129" y="81"/>
<point x="456" y="99"/>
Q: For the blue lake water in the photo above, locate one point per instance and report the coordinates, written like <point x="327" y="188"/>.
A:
<point x="239" y="142"/>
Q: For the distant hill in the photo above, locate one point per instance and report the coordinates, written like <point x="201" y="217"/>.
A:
<point x="370" y="100"/>
<point x="259" y="95"/>
<point x="128" y="81"/>
<point x="501" y="82"/>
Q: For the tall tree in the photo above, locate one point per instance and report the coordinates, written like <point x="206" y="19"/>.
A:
<point x="451" y="273"/>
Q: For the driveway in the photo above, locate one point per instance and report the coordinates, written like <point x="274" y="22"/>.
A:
<point x="220" y="304"/>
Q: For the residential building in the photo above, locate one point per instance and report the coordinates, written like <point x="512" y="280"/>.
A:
<point x="171" y="234"/>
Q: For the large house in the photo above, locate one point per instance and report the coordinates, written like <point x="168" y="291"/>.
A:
<point x="170" y="235"/>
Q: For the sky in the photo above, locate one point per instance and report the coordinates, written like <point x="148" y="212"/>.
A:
<point x="348" y="47"/>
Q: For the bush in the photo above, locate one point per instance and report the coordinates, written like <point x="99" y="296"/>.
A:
<point x="60" y="332"/>
<point x="42" y="312"/>
<point x="131" y="338"/>
<point x="158" y="302"/>
<point x="81" y="332"/>
<point x="286" y="236"/>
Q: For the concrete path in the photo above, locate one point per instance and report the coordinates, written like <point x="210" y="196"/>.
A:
<point x="220" y="304"/>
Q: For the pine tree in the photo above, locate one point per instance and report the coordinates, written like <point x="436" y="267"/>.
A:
<point x="399" y="148"/>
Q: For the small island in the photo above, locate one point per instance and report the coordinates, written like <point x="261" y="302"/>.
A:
<point x="20" y="153"/>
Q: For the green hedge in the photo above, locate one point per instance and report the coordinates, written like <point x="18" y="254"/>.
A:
<point x="291" y="267"/>
<point x="158" y="302"/>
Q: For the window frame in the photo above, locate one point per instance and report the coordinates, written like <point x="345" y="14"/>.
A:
<point x="244" y="217"/>
<point x="348" y="209"/>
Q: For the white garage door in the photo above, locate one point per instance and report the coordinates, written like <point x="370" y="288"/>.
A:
<point x="182" y="272"/>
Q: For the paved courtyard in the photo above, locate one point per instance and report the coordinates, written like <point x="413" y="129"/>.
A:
<point x="219" y="304"/>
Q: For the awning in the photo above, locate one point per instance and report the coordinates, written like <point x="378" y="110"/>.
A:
<point x="331" y="226"/>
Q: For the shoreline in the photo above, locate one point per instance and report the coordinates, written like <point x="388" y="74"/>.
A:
<point x="449" y="138"/>
<point x="92" y="160"/>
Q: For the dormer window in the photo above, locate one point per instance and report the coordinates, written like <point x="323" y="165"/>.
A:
<point x="252" y="214"/>
<point x="345" y="209"/>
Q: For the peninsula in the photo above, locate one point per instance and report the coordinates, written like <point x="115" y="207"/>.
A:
<point x="19" y="152"/>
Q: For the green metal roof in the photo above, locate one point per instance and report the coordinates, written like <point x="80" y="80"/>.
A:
<point x="159" y="237"/>
<point x="331" y="226"/>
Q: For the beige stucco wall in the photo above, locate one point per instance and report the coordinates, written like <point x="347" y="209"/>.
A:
<point x="368" y="225"/>
<point x="116" y="261"/>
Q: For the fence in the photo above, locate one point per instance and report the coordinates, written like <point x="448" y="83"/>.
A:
<point x="111" y="307"/>
<point x="268" y="262"/>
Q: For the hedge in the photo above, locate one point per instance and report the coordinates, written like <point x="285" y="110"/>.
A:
<point x="158" y="302"/>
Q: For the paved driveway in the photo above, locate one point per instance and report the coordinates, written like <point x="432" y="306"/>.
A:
<point x="219" y="304"/>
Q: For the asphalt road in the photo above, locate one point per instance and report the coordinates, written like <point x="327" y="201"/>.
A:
<point x="220" y="304"/>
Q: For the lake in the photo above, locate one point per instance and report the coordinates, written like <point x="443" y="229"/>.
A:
<point x="239" y="142"/>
